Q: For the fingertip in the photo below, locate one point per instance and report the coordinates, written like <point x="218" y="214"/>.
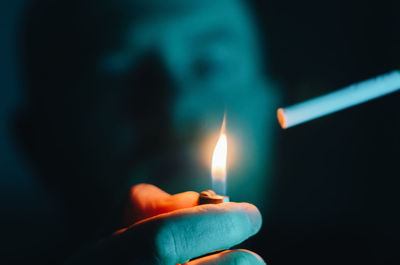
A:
<point x="183" y="200"/>
<point x="142" y="186"/>
<point x="145" y="188"/>
<point x="144" y="192"/>
<point x="237" y="256"/>
<point x="190" y="194"/>
<point x="254" y="216"/>
<point x="254" y="257"/>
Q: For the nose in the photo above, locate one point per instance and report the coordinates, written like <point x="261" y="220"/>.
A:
<point x="152" y="88"/>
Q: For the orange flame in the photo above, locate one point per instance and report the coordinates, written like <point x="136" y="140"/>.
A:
<point x="218" y="165"/>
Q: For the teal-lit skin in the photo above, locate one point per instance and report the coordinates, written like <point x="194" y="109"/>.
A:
<point x="142" y="87"/>
<point x="210" y="56"/>
<point x="213" y="62"/>
<point x="123" y="92"/>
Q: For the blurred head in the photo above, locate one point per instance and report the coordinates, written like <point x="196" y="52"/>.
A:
<point x="129" y="91"/>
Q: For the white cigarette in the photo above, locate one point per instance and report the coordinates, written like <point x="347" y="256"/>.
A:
<point x="339" y="100"/>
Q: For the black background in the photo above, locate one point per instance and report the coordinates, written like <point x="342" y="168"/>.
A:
<point x="337" y="198"/>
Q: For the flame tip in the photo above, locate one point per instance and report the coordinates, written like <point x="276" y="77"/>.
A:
<point x="218" y="167"/>
<point x="223" y="127"/>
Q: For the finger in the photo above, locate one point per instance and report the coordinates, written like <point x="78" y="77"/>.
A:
<point x="178" y="236"/>
<point x="147" y="200"/>
<point x="230" y="257"/>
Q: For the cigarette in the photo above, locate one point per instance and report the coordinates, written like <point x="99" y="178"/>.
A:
<point x="338" y="100"/>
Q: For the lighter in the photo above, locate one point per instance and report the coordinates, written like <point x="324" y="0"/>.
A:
<point x="210" y="197"/>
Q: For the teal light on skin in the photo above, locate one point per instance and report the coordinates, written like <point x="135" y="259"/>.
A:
<point x="146" y="100"/>
<point x="211" y="56"/>
<point x="338" y="100"/>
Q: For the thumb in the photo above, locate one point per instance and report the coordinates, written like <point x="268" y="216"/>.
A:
<point x="146" y="200"/>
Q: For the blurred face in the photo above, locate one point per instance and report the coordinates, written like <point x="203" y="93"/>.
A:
<point x="155" y="99"/>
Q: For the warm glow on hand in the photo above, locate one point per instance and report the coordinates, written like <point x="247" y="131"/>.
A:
<point x="147" y="200"/>
<point x="167" y="230"/>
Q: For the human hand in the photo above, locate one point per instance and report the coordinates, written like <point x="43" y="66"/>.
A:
<point x="172" y="229"/>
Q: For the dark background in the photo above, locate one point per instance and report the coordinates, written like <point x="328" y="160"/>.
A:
<point x="338" y="183"/>
<point x="337" y="198"/>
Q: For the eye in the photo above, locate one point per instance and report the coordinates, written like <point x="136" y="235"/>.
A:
<point x="213" y="63"/>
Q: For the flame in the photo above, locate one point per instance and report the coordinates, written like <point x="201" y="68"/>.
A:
<point x="218" y="164"/>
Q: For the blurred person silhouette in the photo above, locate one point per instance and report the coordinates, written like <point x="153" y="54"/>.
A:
<point x="125" y="92"/>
